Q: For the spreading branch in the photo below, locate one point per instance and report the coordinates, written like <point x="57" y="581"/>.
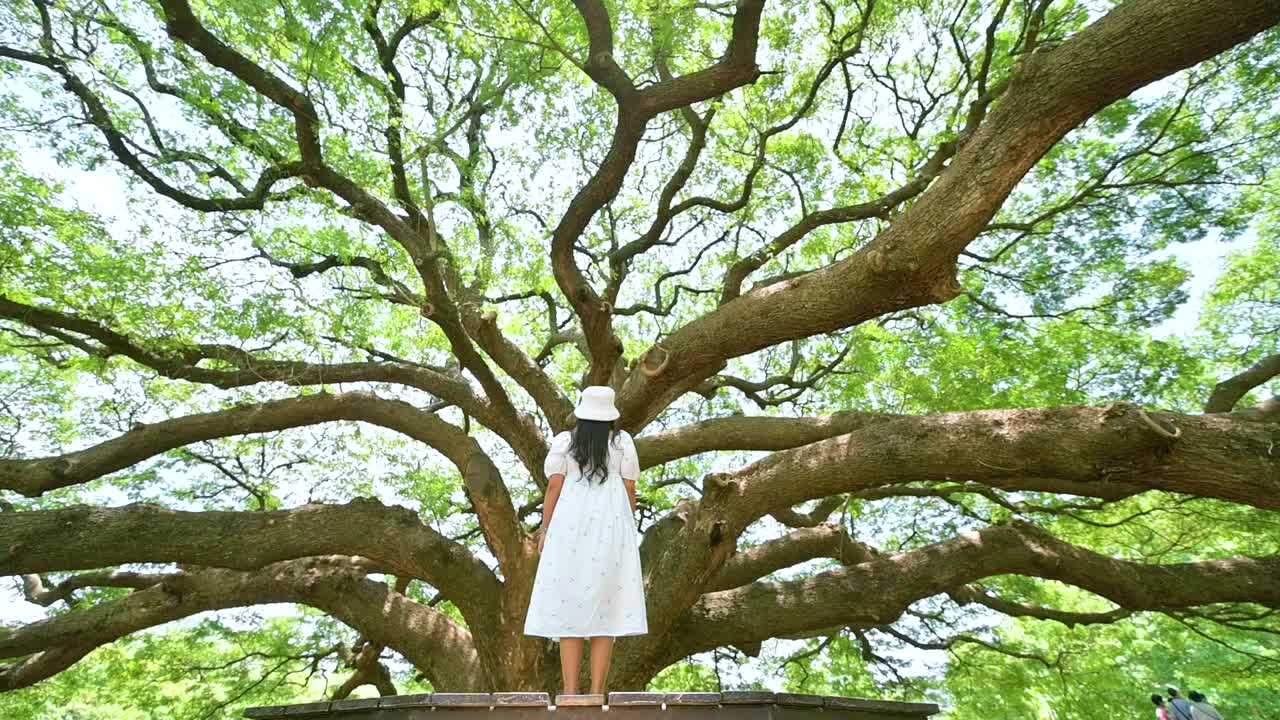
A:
<point x="635" y="109"/>
<point x="248" y="368"/>
<point x="740" y="432"/>
<point x="876" y="592"/>
<point x="121" y="146"/>
<point x="33" y="477"/>
<point x="971" y="594"/>
<point x="82" y="537"/>
<point x="1081" y="451"/>
<point x="825" y="540"/>
<point x="1228" y="392"/>
<point x="912" y="262"/>
<point x="438" y="646"/>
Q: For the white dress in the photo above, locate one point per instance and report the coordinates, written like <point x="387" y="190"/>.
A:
<point x="589" y="582"/>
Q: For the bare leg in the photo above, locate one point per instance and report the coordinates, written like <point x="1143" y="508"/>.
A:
<point x="601" y="654"/>
<point x="571" y="663"/>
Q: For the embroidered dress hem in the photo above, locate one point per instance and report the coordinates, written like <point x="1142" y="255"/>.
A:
<point x="556" y="635"/>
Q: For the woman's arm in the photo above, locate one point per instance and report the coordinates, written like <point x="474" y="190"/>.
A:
<point x="630" y="468"/>
<point x="631" y="492"/>
<point x="554" y="483"/>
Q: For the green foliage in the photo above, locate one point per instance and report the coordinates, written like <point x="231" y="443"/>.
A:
<point x="1242" y="316"/>
<point x="685" y="676"/>
<point x="1106" y="671"/>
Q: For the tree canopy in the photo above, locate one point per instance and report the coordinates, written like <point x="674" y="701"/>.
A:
<point x="882" y="286"/>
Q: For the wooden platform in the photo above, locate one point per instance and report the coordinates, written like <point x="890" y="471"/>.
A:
<point x="746" y="705"/>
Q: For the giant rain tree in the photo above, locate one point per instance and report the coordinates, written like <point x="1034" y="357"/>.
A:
<point x="835" y="257"/>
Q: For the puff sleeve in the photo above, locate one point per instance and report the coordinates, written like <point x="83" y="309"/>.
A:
<point x="630" y="460"/>
<point x="557" y="462"/>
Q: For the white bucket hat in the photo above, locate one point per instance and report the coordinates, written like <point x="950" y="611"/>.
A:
<point x="596" y="403"/>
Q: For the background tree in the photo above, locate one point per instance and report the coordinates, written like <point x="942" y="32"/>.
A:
<point x="874" y="280"/>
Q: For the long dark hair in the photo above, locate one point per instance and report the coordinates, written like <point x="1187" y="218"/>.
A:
<point x="590" y="447"/>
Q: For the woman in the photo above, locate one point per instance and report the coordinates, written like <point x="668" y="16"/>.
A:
<point x="588" y="583"/>
<point x="1162" y="712"/>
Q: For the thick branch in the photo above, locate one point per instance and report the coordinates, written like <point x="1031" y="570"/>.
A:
<point x="434" y="643"/>
<point x="876" y="592"/>
<point x="553" y="403"/>
<point x="249" y="369"/>
<point x="601" y="65"/>
<point x="497" y="515"/>
<point x="740" y="432"/>
<point x="84" y="537"/>
<point x="41" y="665"/>
<point x="36" y="476"/>
<point x="34" y="590"/>
<point x="1108" y="453"/>
<point x="735" y="68"/>
<point x="181" y="23"/>
<point x="1266" y="411"/>
<point x="1081" y="451"/>
<point x="489" y="494"/>
<point x="822" y="510"/>
<point x="826" y="540"/>
<point x="369" y="670"/>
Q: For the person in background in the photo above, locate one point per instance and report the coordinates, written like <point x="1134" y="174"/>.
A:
<point x="1179" y="708"/>
<point x="1162" y="712"/>
<point x="1201" y="709"/>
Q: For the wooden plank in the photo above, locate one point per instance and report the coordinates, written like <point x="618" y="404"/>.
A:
<point x="265" y="711"/>
<point x="918" y="709"/>
<point x="635" y="699"/>
<point x="747" y="697"/>
<point x="579" y="700"/>
<point x="692" y="698"/>
<point x="521" y="699"/>
<point x="797" y="700"/>
<point x="306" y="709"/>
<point x="445" y="701"/>
<point x="349" y="705"/>
<point x="391" y="701"/>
